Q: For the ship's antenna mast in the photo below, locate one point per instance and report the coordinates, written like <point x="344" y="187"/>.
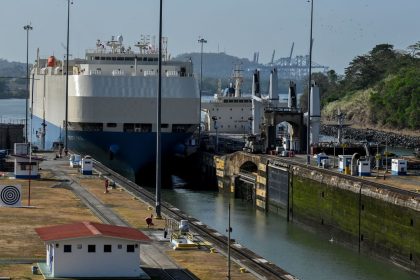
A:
<point x="237" y="77"/>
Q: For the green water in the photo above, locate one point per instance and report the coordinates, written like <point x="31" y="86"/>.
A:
<point x="303" y="253"/>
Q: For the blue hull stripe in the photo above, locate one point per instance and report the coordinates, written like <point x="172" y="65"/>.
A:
<point x="130" y="149"/>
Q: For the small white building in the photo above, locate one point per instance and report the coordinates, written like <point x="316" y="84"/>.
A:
<point x="344" y="164"/>
<point x="87" y="165"/>
<point x="398" y="167"/>
<point x="88" y="249"/>
<point x="26" y="167"/>
<point x="364" y="167"/>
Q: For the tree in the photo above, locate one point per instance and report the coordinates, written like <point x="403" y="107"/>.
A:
<point x="414" y="49"/>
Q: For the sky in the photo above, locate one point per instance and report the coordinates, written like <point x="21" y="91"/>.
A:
<point x="342" y="29"/>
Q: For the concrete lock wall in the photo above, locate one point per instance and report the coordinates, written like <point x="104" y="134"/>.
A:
<point x="10" y="134"/>
<point x="361" y="216"/>
<point x="370" y="219"/>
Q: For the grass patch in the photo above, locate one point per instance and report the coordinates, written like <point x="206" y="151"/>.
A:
<point x="206" y="265"/>
<point x="51" y="206"/>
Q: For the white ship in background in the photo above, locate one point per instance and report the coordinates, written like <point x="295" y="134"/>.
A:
<point x="229" y="110"/>
<point x="112" y="102"/>
<point x="236" y="113"/>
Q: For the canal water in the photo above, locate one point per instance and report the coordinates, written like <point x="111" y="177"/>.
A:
<point x="296" y="249"/>
<point x="299" y="251"/>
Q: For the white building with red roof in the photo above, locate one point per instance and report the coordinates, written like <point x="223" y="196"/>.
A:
<point x="88" y="249"/>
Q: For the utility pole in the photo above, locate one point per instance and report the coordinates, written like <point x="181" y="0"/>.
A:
<point x="308" y="137"/>
<point x="229" y="230"/>
<point x="158" y="122"/>
<point x="202" y="41"/>
<point x="27" y="28"/>
<point x="30" y="142"/>
<point x="66" y="137"/>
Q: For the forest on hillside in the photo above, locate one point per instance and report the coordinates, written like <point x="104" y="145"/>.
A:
<point x="12" y="79"/>
<point x="389" y="81"/>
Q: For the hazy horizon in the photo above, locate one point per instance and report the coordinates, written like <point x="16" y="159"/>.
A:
<point x="342" y="29"/>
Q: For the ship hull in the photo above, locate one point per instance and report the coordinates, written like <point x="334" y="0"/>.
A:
<point x="131" y="153"/>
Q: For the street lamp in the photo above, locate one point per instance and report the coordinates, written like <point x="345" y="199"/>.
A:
<point x="214" y="118"/>
<point x="158" y="122"/>
<point x="229" y="230"/>
<point x="308" y="136"/>
<point x="27" y="28"/>
<point x="202" y="41"/>
<point x="66" y="126"/>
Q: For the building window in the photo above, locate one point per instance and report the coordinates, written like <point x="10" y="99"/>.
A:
<point x="111" y="125"/>
<point x="130" y="248"/>
<point x="67" y="248"/>
<point x="91" y="248"/>
<point x="107" y="248"/>
<point x="119" y="246"/>
<point x="79" y="246"/>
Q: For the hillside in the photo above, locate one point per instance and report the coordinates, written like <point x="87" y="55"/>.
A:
<point x="221" y="65"/>
<point x="10" y="84"/>
<point x="380" y="89"/>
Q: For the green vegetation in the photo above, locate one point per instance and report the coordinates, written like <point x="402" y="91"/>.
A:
<point x="390" y="77"/>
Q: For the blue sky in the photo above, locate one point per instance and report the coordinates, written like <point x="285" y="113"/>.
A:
<point x="342" y="28"/>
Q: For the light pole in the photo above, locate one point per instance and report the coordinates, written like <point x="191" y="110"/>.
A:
<point x="308" y="132"/>
<point x="158" y="122"/>
<point x="66" y="138"/>
<point x="27" y="28"/>
<point x="229" y="230"/>
<point x="202" y="41"/>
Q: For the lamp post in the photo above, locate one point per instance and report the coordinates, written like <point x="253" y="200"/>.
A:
<point x="202" y="41"/>
<point x="158" y="122"/>
<point x="229" y="230"/>
<point x="308" y="137"/>
<point x="386" y="156"/>
<point x="27" y="28"/>
<point x="66" y="138"/>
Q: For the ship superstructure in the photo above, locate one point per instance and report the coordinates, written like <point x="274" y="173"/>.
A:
<point x="112" y="102"/>
<point x="229" y="111"/>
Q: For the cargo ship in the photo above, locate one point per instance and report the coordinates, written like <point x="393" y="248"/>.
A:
<point x="112" y="104"/>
